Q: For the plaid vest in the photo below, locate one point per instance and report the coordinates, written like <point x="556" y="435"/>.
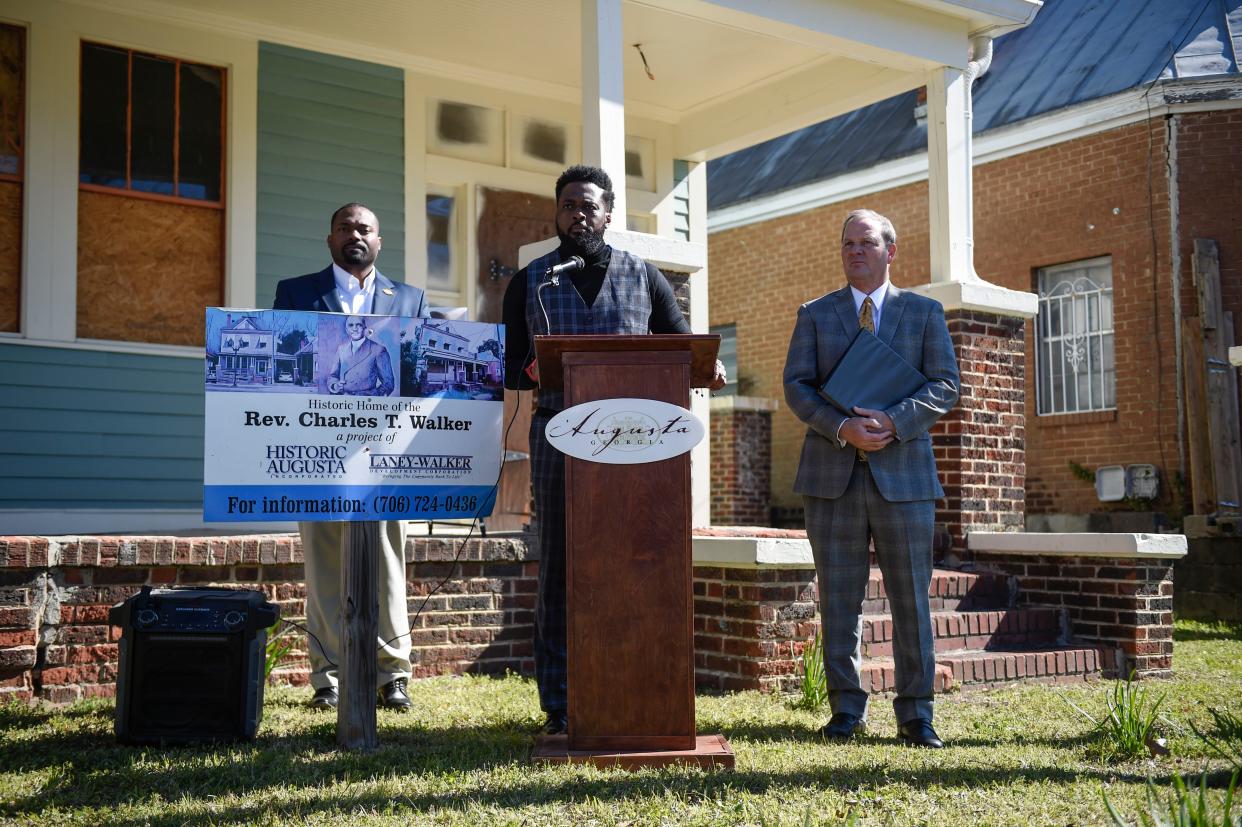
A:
<point x="622" y="306"/>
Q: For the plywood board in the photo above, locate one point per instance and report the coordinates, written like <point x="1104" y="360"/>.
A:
<point x="147" y="269"/>
<point x="10" y="255"/>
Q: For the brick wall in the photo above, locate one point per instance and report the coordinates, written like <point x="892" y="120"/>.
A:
<point x="56" y="644"/>
<point x="1123" y="605"/>
<point x="751" y="625"/>
<point x="741" y="448"/>
<point x="980" y="444"/>
<point x="1077" y="200"/>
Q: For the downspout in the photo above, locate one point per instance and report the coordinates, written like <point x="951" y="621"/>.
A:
<point x="981" y="60"/>
<point x="1175" y="261"/>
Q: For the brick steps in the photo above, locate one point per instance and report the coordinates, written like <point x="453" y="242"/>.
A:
<point x="981" y="630"/>
<point x="1063" y="664"/>
<point x="981" y="636"/>
<point x="949" y="591"/>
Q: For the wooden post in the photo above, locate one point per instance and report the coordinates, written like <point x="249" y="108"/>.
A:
<point x="1221" y="386"/>
<point x="355" y="712"/>
<point x="1199" y="448"/>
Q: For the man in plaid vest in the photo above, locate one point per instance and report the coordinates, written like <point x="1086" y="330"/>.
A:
<point x="614" y="293"/>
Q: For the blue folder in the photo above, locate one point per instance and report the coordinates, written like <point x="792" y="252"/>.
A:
<point x="870" y="375"/>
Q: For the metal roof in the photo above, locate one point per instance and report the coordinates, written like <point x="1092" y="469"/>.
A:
<point x="1074" y="51"/>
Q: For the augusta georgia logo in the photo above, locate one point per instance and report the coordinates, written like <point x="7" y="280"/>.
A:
<point x="624" y="431"/>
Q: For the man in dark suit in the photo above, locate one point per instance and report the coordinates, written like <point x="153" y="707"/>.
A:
<point x="362" y="367"/>
<point x="352" y="284"/>
<point x="871" y="476"/>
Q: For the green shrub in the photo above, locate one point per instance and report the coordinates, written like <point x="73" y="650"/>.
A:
<point x="814" y="687"/>
<point x="279" y="645"/>
<point x="1129" y="728"/>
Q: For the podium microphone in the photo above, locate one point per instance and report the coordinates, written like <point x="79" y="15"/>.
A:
<point x="553" y="277"/>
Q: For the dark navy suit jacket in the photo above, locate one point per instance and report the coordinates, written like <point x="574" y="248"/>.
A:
<point x="317" y="291"/>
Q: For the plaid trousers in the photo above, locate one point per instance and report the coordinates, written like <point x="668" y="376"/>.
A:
<point x="547" y="474"/>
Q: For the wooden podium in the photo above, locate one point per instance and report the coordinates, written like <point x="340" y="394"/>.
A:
<point x="628" y="561"/>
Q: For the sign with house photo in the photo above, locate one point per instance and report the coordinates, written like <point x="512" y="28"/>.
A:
<point x="328" y="416"/>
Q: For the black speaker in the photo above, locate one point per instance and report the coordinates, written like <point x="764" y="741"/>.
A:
<point x="191" y="664"/>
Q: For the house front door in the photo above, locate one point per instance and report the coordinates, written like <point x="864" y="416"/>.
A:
<point x="508" y="220"/>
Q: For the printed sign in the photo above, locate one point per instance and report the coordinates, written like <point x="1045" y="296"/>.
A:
<point x="326" y="416"/>
<point x="624" y="431"/>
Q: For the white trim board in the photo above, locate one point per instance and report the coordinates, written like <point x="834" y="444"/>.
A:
<point x="1100" y="115"/>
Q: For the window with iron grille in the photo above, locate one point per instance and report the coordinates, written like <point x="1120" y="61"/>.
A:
<point x="1074" y="360"/>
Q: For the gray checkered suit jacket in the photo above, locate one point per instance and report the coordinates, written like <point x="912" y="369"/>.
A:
<point x="912" y="325"/>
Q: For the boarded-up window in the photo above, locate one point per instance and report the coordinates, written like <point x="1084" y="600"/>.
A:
<point x="12" y="130"/>
<point x="150" y="206"/>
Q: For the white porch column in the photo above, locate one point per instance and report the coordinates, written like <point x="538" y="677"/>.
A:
<point x="949" y="176"/>
<point x="603" y="96"/>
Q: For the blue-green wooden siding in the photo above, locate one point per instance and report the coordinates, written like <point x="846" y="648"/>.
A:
<point x="331" y="131"/>
<point x="91" y="429"/>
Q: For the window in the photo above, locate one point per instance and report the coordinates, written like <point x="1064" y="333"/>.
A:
<point x="151" y="124"/>
<point x="462" y="130"/>
<point x="728" y="355"/>
<point x="441" y="247"/>
<point x="12" y="131"/>
<point x="150" y="178"/>
<point x="1074" y="338"/>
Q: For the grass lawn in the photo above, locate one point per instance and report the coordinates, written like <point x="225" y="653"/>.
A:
<point x="1018" y="755"/>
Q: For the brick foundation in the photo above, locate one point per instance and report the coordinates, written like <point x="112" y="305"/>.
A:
<point x="751" y="625"/>
<point x="56" y="644"/>
<point x="1019" y="616"/>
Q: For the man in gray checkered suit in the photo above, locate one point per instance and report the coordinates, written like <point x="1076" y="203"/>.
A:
<point x="871" y="476"/>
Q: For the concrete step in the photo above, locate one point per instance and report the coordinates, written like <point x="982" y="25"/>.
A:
<point x="950" y="590"/>
<point x="980" y="630"/>
<point x="1062" y="664"/>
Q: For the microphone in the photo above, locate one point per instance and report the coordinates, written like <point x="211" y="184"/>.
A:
<point x="553" y="277"/>
<point x="568" y="266"/>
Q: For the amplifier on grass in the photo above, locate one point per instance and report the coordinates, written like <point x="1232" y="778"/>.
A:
<point x="191" y="664"/>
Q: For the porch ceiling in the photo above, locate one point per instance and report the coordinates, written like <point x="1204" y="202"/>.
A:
<point x="719" y="68"/>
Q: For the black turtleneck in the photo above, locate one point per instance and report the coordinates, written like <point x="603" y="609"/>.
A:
<point x="666" y="316"/>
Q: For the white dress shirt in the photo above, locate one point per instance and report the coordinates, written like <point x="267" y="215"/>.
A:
<point x="354" y="297"/>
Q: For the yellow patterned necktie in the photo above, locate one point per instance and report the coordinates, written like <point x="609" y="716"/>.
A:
<point x="866" y="320"/>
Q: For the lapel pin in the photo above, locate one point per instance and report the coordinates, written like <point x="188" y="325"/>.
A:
<point x="387" y="291"/>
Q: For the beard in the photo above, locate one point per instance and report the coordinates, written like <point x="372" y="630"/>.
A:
<point x="586" y="245"/>
<point x="357" y="255"/>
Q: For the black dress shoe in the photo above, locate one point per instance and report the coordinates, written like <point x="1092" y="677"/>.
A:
<point x="325" y="698"/>
<point x="392" y="695"/>
<point x="557" y="723"/>
<point x="842" y="726"/>
<point x="918" y="732"/>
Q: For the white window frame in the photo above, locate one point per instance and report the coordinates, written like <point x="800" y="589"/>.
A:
<point x="1081" y="297"/>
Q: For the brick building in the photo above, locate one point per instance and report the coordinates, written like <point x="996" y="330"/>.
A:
<point x="1098" y="188"/>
